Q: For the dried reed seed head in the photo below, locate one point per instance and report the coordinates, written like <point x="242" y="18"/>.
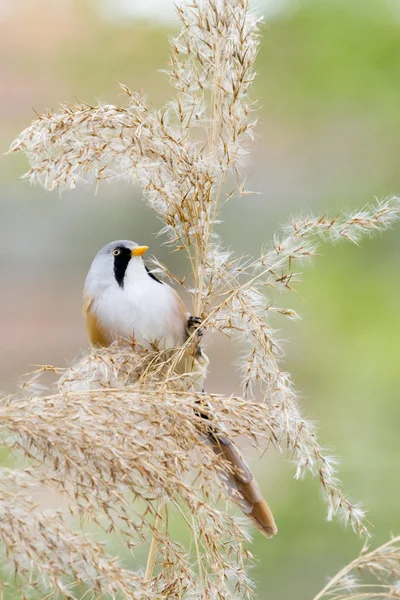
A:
<point x="373" y="574"/>
<point x="103" y="443"/>
<point x="48" y="554"/>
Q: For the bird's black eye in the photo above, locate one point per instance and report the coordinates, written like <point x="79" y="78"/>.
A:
<point x="116" y="252"/>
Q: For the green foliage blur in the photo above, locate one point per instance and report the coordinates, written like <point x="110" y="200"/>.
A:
<point x="328" y="139"/>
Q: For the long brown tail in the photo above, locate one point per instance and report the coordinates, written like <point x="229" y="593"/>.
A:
<point x="241" y="483"/>
<point x="243" y="487"/>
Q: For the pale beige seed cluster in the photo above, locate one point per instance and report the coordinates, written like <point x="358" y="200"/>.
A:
<point x="373" y="574"/>
<point x="120" y="435"/>
<point x="119" y="449"/>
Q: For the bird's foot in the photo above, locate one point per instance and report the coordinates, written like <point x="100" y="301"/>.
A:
<point x="193" y="324"/>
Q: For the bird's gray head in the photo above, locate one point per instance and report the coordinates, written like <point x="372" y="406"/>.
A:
<point x="110" y="265"/>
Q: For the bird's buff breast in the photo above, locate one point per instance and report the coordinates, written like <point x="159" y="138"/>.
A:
<point x="140" y="313"/>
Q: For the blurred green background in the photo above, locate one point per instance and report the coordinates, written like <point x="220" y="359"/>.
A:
<point x="329" y="90"/>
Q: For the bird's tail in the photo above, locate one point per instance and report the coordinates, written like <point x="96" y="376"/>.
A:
<point x="243" y="487"/>
<point x="240" y="481"/>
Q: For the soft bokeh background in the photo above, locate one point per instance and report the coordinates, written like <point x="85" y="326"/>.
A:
<point x="329" y="89"/>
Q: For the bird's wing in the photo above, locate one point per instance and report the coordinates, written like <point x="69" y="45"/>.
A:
<point x="178" y="317"/>
<point x="96" y="332"/>
<point x="179" y="306"/>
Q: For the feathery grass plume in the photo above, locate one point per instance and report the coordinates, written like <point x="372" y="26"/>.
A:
<point x="46" y="554"/>
<point x="244" y="309"/>
<point x="120" y="450"/>
<point x="373" y="574"/>
<point x="126" y="424"/>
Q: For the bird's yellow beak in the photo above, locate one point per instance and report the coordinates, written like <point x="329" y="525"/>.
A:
<point x="139" y="251"/>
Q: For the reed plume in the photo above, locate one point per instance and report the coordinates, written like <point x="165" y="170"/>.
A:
<point x="124" y="434"/>
<point x="373" y="574"/>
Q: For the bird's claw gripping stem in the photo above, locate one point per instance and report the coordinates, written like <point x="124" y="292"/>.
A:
<point x="193" y="323"/>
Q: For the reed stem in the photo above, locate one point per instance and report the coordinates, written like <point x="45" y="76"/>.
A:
<point x="152" y="557"/>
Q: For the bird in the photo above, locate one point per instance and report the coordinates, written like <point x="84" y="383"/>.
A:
<point x="124" y="301"/>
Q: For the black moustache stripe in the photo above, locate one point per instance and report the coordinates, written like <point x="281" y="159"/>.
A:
<point x="121" y="262"/>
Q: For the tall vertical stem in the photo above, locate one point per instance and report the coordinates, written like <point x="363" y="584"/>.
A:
<point x="151" y="559"/>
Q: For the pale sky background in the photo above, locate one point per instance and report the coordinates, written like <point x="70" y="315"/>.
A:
<point x="164" y="9"/>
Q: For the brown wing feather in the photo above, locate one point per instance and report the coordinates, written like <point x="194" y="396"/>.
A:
<point x="96" y="333"/>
